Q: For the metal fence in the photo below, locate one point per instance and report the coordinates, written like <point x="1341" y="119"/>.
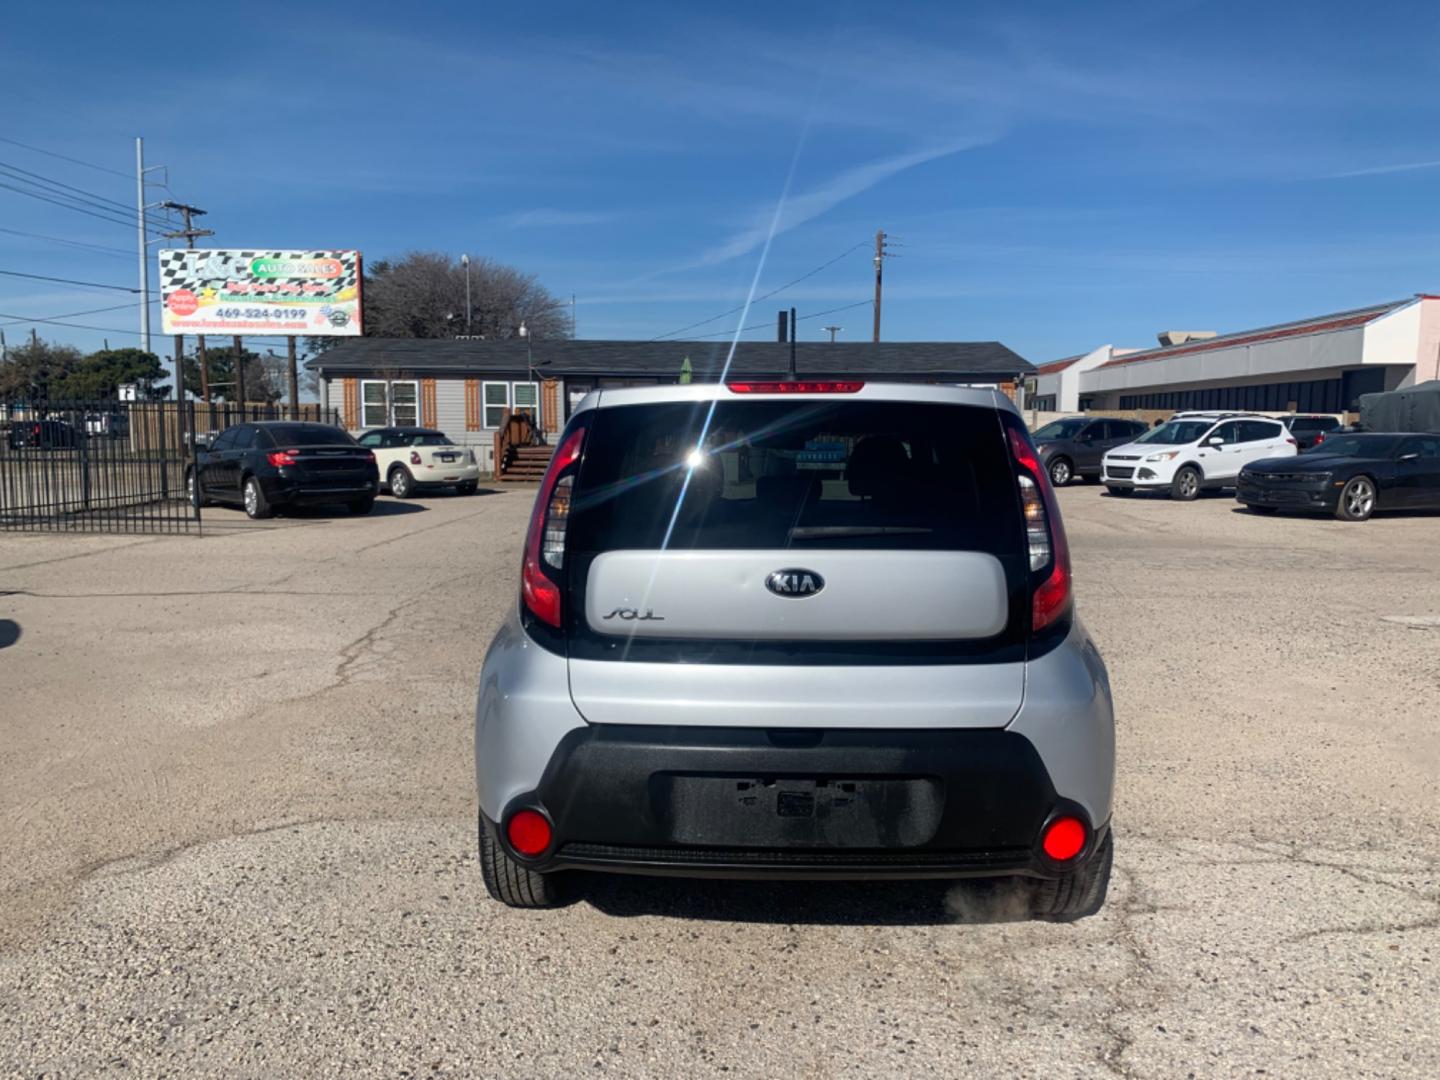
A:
<point x="111" y="466"/>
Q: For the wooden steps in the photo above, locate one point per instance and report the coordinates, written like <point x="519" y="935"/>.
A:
<point x="525" y="464"/>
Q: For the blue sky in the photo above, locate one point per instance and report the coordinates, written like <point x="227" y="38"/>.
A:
<point x="1059" y="175"/>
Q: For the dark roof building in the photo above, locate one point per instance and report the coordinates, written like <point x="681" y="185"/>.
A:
<point x="929" y="361"/>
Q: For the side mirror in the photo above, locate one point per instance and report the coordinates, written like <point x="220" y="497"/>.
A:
<point x="1414" y="455"/>
<point x="1215" y="440"/>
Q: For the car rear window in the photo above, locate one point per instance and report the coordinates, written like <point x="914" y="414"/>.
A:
<point x="774" y="474"/>
<point x="1314" y="423"/>
<point x="430" y="438"/>
<point x="308" y="435"/>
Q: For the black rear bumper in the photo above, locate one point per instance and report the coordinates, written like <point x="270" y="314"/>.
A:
<point x="732" y="802"/>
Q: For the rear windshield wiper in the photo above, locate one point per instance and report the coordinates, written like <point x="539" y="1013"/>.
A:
<point x="838" y="532"/>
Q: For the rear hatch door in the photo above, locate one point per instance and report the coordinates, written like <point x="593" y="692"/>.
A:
<point x="835" y="562"/>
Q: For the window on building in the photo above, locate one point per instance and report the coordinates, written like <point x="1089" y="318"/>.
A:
<point x="526" y="396"/>
<point x="389" y="403"/>
<point x="496" y="397"/>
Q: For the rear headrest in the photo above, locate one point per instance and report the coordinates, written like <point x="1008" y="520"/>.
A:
<point x="877" y="463"/>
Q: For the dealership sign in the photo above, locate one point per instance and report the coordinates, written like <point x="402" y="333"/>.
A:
<point x="314" y="293"/>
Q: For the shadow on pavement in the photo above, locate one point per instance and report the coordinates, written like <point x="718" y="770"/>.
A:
<point x="9" y="633"/>
<point x="820" y="903"/>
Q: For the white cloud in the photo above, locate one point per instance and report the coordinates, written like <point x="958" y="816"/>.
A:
<point x="809" y="205"/>
<point x="1382" y="170"/>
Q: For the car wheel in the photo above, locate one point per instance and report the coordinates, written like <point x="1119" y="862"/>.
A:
<point x="467" y="488"/>
<point x="192" y="491"/>
<point x="511" y="882"/>
<point x="1078" y="894"/>
<point x="402" y="484"/>
<point x="1121" y="492"/>
<point x="1264" y="511"/>
<point x="1357" y="500"/>
<point x="1186" y="485"/>
<point x="1060" y="472"/>
<point x="360" y="507"/>
<point x="256" y="505"/>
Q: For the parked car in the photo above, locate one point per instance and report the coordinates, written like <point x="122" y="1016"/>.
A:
<point x="1350" y="476"/>
<point x="1193" y="451"/>
<point x="1074" y="445"/>
<point x="796" y="630"/>
<point x="43" y="435"/>
<point x="112" y="425"/>
<point x="1311" y="429"/>
<point x="411" y="459"/>
<point x="262" y="466"/>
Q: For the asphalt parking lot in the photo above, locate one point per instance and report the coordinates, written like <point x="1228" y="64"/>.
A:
<point x="236" y="829"/>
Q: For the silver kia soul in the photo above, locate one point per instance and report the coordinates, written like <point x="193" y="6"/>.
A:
<point x="796" y="630"/>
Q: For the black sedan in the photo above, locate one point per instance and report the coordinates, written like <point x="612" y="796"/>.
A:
<point x="1350" y="476"/>
<point x="43" y="435"/>
<point x="261" y="466"/>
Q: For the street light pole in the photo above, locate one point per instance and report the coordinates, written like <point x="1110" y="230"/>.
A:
<point x="465" y="262"/>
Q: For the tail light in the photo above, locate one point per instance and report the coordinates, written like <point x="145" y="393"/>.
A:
<point x="795" y="387"/>
<point x="545" y="542"/>
<point x="370" y="456"/>
<point x="1292" y="441"/>
<point x="1319" y="438"/>
<point x="414" y="457"/>
<point x="279" y="458"/>
<point x="1045" y="535"/>
<point x="1064" y="838"/>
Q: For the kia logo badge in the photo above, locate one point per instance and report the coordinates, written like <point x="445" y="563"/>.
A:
<point x="794" y="582"/>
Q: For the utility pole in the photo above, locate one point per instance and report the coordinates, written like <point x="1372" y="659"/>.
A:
<point x="465" y="262"/>
<point x="879" y="273"/>
<point x="833" y="331"/>
<point x="239" y="366"/>
<point x="294" y="380"/>
<point x="188" y="234"/>
<point x="140" y="244"/>
<point x="792" y="345"/>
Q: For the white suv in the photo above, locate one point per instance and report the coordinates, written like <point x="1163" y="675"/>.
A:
<point x="1195" y="450"/>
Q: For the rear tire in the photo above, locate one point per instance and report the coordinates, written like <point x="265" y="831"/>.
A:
<point x="401" y="483"/>
<point x="1078" y="894"/>
<point x="1357" y="500"/>
<point x="360" y="507"/>
<point x="467" y="488"/>
<point x="1186" y="485"/>
<point x="1061" y="472"/>
<point x="257" y="506"/>
<point x="510" y="882"/>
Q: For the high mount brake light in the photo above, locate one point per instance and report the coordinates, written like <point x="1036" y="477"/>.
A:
<point x="281" y="457"/>
<point x="795" y="387"/>
<point x="545" y="542"/>
<point x="1044" y="533"/>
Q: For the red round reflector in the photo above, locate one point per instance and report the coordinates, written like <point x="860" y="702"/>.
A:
<point x="529" y="832"/>
<point x="1064" y="839"/>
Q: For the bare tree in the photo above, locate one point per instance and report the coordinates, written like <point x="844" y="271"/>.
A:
<point x="422" y="295"/>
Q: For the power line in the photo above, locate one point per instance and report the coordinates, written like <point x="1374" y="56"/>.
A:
<point x="100" y="249"/>
<point x="80" y="209"/>
<point x="78" y="314"/>
<point x="31" y="177"/>
<point x="770" y="325"/>
<point x="62" y="157"/>
<point x="69" y="281"/>
<point x="70" y="325"/>
<point x="766" y="296"/>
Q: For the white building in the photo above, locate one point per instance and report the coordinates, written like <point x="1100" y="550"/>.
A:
<point x="1321" y="364"/>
